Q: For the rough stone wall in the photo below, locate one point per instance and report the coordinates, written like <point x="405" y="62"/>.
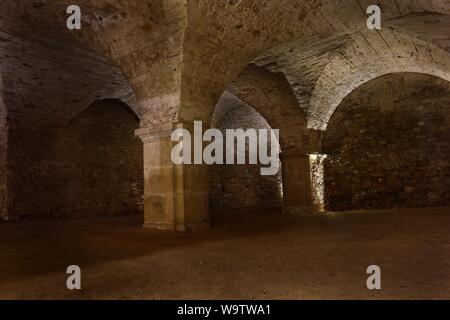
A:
<point x="271" y="95"/>
<point x="240" y="186"/>
<point x="388" y="145"/>
<point x="193" y="48"/>
<point x="46" y="84"/>
<point x="91" y="167"/>
<point x="100" y="163"/>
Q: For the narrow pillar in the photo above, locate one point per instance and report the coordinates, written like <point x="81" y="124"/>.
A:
<point x="317" y="165"/>
<point x="302" y="183"/>
<point x="175" y="196"/>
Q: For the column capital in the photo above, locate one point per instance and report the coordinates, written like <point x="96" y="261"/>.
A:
<point x="159" y="131"/>
<point x="164" y="130"/>
<point x="155" y="132"/>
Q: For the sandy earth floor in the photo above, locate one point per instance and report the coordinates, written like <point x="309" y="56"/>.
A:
<point x="246" y="256"/>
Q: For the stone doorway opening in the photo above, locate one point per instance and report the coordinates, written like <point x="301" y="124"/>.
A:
<point x="241" y="188"/>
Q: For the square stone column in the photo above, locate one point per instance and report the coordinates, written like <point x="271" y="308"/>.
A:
<point x="175" y="196"/>
<point x="302" y="184"/>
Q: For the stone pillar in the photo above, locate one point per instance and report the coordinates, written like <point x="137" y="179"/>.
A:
<point x="317" y="164"/>
<point x="175" y="196"/>
<point x="302" y="184"/>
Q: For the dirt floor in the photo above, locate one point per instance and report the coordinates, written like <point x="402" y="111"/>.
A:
<point x="243" y="256"/>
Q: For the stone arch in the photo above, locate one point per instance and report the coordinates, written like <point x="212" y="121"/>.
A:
<point x="209" y="66"/>
<point x="53" y="185"/>
<point x="316" y="70"/>
<point x="348" y="70"/>
<point x="241" y="186"/>
<point x="208" y="43"/>
<point x="387" y="145"/>
<point x="50" y="80"/>
<point x="116" y="102"/>
<point x="208" y="49"/>
<point x="272" y="96"/>
<point x="101" y="162"/>
<point x="119" y="91"/>
<point x="80" y="156"/>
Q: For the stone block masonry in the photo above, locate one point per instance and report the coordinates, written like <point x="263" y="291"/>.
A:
<point x="388" y="145"/>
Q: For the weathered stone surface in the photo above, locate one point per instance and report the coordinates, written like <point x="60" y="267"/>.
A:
<point x="46" y="85"/>
<point x="98" y="166"/>
<point x="180" y="55"/>
<point x="271" y="95"/>
<point x="175" y="196"/>
<point x="297" y="185"/>
<point x="388" y="145"/>
<point x="171" y="61"/>
<point x="222" y="39"/>
<point x="323" y="72"/>
<point x="91" y="167"/>
<point x="241" y="186"/>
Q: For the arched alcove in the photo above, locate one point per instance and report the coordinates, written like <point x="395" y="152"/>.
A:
<point x="241" y="186"/>
<point x="102" y="162"/>
<point x="388" y="145"/>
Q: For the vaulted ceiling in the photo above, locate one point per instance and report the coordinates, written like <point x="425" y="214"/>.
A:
<point x="179" y="55"/>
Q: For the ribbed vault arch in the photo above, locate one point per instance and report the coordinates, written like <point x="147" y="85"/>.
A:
<point x="356" y="64"/>
<point x="221" y="40"/>
<point x="322" y="73"/>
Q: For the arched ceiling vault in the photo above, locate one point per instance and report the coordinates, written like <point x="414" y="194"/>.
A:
<point x="180" y="55"/>
<point x="271" y="95"/>
<point x="223" y="37"/>
<point x="323" y="73"/>
<point x="341" y="76"/>
<point x="143" y="38"/>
